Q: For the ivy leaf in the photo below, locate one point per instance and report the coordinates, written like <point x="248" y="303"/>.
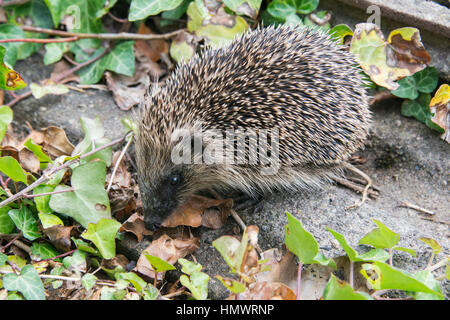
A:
<point x="6" y="224"/>
<point x="381" y="237"/>
<point x="340" y="32"/>
<point x="88" y="203"/>
<point x="299" y="241"/>
<point x="27" y="283"/>
<point x="339" y="290"/>
<point x="42" y="251"/>
<point x="88" y="281"/>
<point x="141" y="9"/>
<point x="197" y="283"/>
<point x="120" y="60"/>
<point x="423" y="81"/>
<point x="37" y="150"/>
<point x="281" y="9"/>
<point x="388" y="277"/>
<point x="25" y="221"/>
<point x="232" y="285"/>
<point x="94" y="137"/>
<point x="9" y="79"/>
<point x="158" y="264"/>
<point x="135" y="280"/>
<point x="6" y="116"/>
<point x="420" y="110"/>
<point x="76" y="262"/>
<point x="214" y="24"/>
<point x="49" y="87"/>
<point x="249" y="8"/>
<point x="14" y="50"/>
<point x="103" y="235"/>
<point x="426" y="277"/>
<point x="10" y="167"/>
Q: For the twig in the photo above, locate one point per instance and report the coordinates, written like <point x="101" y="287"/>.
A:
<point x="71" y="39"/>
<point x="366" y="189"/>
<point x="390" y="256"/>
<point x="29" y="196"/>
<point x="350" y="278"/>
<point x="103" y="36"/>
<point x="441" y="263"/>
<point x="51" y="170"/>
<point x="405" y="204"/>
<point x="299" y="278"/>
<point x="117" y="19"/>
<point x="118" y="163"/>
<point x="2" y="249"/>
<point x="60" y="256"/>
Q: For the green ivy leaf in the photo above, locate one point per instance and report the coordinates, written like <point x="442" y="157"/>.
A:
<point x="420" y="110"/>
<point x="42" y="251"/>
<point x="197" y="283"/>
<point x="158" y="264"/>
<point x="10" y="167"/>
<point x="232" y="285"/>
<point x="339" y="290"/>
<point x="340" y="32"/>
<point x="7" y="226"/>
<point x="6" y="116"/>
<point x="281" y="9"/>
<point x="135" y="280"/>
<point x="299" y="241"/>
<point x="88" y="281"/>
<point x="249" y="8"/>
<point x="189" y="267"/>
<point x="103" y="235"/>
<point x="427" y="278"/>
<point x="141" y="9"/>
<point x="3" y="259"/>
<point x="76" y="262"/>
<point x="27" y="283"/>
<point x="37" y="150"/>
<point x="381" y="237"/>
<point x="88" y="203"/>
<point x="424" y="81"/>
<point x="26" y="222"/>
<point x="408" y="250"/>
<point x="42" y="202"/>
<point x="388" y="277"/>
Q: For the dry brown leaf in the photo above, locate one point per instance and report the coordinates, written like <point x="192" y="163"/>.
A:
<point x="61" y="67"/>
<point x="265" y="291"/>
<point x="2" y="97"/>
<point x="151" y="48"/>
<point x="59" y="236"/>
<point x="118" y="261"/>
<point x="11" y="151"/>
<point x="29" y="161"/>
<point x="282" y="268"/>
<point x="168" y="249"/>
<point x="135" y="225"/>
<point x="56" y="143"/>
<point x="198" y="211"/>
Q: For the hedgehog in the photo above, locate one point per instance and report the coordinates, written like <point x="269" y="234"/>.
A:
<point x="293" y="88"/>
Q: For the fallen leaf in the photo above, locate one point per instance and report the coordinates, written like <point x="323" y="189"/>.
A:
<point x="151" y="48"/>
<point x="135" y="225"/>
<point x="59" y="236"/>
<point x="167" y="249"/>
<point x="265" y="291"/>
<point x="440" y="108"/>
<point x="198" y="211"/>
<point x="29" y="161"/>
<point x="56" y="143"/>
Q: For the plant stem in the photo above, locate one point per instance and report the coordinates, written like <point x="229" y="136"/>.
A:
<point x="103" y="36"/>
<point x="299" y="278"/>
<point x="29" y="196"/>
<point x="61" y="255"/>
<point x="118" y="163"/>
<point x="350" y="277"/>
<point x="390" y="256"/>
<point x="2" y="249"/>
<point x="71" y="39"/>
<point x="51" y="170"/>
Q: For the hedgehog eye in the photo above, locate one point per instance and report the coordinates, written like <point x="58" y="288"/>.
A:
<point x="175" y="179"/>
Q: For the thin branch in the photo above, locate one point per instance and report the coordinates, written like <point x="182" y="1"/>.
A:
<point x="351" y="272"/>
<point x="103" y="36"/>
<point x="118" y="163"/>
<point x="47" y="174"/>
<point x="2" y="249"/>
<point x="415" y="207"/>
<point x="60" y="256"/>
<point x="29" y="196"/>
<point x="71" y="39"/>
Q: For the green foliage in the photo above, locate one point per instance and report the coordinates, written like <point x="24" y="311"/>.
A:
<point x="141" y="9"/>
<point x="12" y="168"/>
<point x="419" y="109"/>
<point x="288" y="10"/>
<point x="27" y="283"/>
<point x="6" y="116"/>
<point x="7" y="225"/>
<point x="195" y="280"/>
<point x="339" y="290"/>
<point x="88" y="203"/>
<point x="42" y="251"/>
<point x="103" y="235"/>
<point x="424" y="81"/>
<point x="302" y="243"/>
<point x="158" y="264"/>
<point x="25" y="221"/>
